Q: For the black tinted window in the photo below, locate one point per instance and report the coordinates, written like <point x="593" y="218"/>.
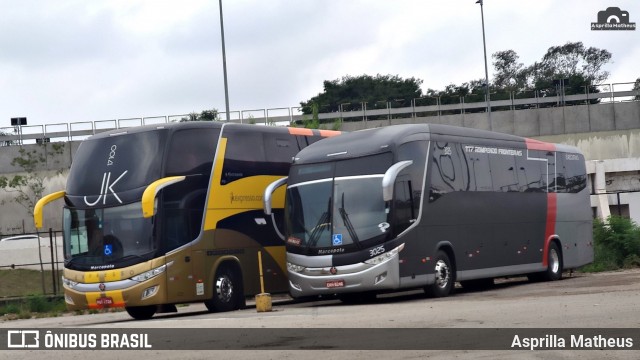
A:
<point x="191" y="151"/>
<point x="127" y="161"/>
<point x="504" y="173"/>
<point x="449" y="169"/>
<point x="575" y="172"/>
<point x="532" y="171"/>
<point x="408" y="186"/>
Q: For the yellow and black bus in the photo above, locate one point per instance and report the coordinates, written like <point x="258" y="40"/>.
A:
<point x="160" y="215"/>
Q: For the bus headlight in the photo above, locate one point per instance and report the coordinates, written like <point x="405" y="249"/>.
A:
<point x="384" y="257"/>
<point x="68" y="283"/>
<point x="295" y="268"/>
<point x="149" y="274"/>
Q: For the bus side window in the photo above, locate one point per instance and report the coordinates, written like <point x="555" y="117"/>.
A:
<point x="479" y="170"/>
<point x="576" y="175"/>
<point x="504" y="173"/>
<point x="279" y="151"/>
<point x="244" y="155"/>
<point x="532" y="171"/>
<point x="560" y="183"/>
<point x="409" y="183"/>
<point x="449" y="171"/>
<point x="191" y="152"/>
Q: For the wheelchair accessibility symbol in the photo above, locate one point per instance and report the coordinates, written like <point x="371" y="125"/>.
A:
<point x="108" y="250"/>
<point x="337" y="239"/>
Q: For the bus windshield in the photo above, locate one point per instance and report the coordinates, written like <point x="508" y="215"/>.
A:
<point x="113" y="237"/>
<point x="336" y="213"/>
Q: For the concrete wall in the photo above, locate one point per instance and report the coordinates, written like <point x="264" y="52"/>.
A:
<point x="602" y="145"/>
<point x="14" y="218"/>
<point x="532" y="122"/>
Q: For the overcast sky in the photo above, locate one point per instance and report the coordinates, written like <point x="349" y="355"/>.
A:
<point x="83" y="60"/>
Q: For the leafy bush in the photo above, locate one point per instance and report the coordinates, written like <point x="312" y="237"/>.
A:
<point x="616" y="244"/>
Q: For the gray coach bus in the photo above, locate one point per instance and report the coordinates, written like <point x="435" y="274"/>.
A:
<point x="426" y="205"/>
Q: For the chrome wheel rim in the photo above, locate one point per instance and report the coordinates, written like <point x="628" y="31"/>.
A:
<point x="554" y="259"/>
<point x="224" y="288"/>
<point x="442" y="274"/>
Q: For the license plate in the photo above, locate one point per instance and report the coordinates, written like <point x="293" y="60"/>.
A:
<point x="335" y="284"/>
<point x="104" y="301"/>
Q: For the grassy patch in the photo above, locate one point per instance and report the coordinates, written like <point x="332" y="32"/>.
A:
<point x="34" y="305"/>
<point x="23" y="282"/>
<point x="616" y="245"/>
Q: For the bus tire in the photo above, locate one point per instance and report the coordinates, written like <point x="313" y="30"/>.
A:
<point x="445" y="280"/>
<point x="554" y="266"/>
<point x="141" y="312"/>
<point x="226" y="291"/>
<point x="554" y="261"/>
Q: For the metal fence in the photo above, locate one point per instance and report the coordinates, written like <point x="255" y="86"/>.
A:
<point x="360" y="111"/>
<point x="36" y="252"/>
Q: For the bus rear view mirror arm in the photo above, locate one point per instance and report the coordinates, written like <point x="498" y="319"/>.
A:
<point x="37" y="210"/>
<point x="268" y="191"/>
<point x="390" y="178"/>
<point x="150" y="193"/>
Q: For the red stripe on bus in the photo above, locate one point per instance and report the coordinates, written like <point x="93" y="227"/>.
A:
<point x="552" y="211"/>
<point x="300" y="131"/>
<point x="329" y="133"/>
<point x="540" y="145"/>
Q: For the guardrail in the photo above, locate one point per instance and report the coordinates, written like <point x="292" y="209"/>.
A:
<point x="436" y="106"/>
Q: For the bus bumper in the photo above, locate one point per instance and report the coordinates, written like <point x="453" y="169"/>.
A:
<point x="353" y="278"/>
<point x="114" y="294"/>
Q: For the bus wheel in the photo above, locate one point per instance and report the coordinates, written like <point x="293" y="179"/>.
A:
<point x="226" y="292"/>
<point x="444" y="277"/>
<point x="554" y="259"/>
<point x="554" y="266"/>
<point x="141" y="312"/>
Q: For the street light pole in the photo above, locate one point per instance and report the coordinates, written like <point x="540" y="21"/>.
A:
<point x="486" y="69"/>
<point x="224" y="65"/>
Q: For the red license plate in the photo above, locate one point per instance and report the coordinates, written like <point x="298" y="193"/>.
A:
<point x="104" y="301"/>
<point x="335" y="284"/>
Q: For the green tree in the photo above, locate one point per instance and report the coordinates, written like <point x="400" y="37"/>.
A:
<point x="205" y="115"/>
<point x="509" y="73"/>
<point x="363" y="89"/>
<point x="578" y="65"/>
<point x="636" y="87"/>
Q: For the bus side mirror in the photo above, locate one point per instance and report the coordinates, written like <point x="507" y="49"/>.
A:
<point x="37" y="210"/>
<point x="150" y="193"/>
<point x="390" y="178"/>
<point x="268" y="192"/>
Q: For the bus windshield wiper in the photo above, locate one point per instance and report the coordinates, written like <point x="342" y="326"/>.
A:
<point x="348" y="224"/>
<point x="323" y="221"/>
